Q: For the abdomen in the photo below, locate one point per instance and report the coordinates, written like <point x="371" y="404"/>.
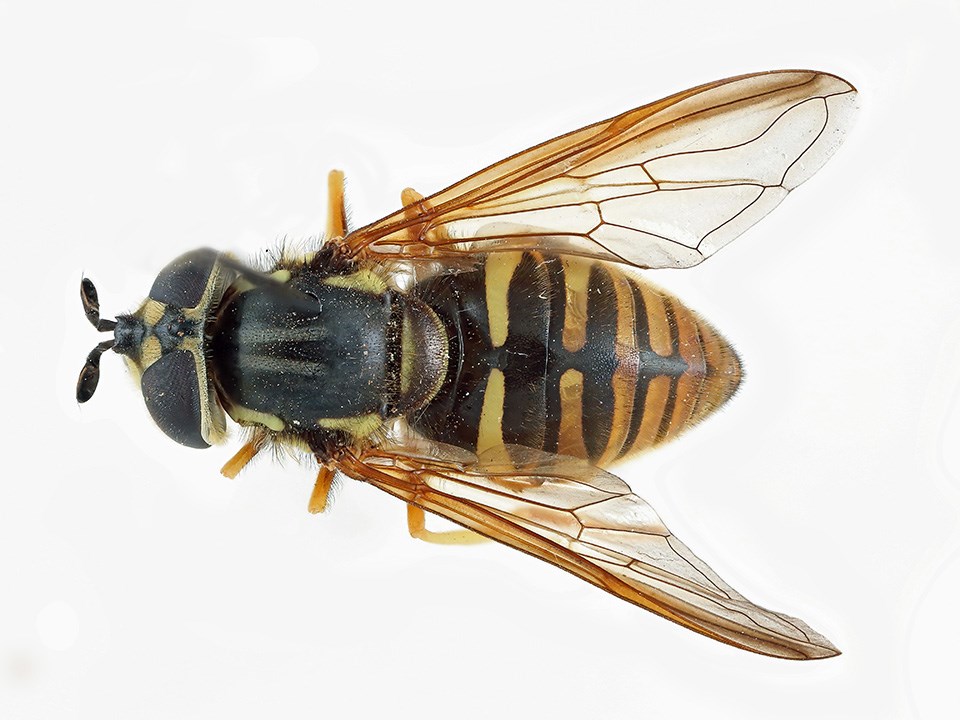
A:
<point x="570" y="356"/>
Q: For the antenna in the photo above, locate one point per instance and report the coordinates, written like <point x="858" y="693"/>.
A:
<point x="90" y="374"/>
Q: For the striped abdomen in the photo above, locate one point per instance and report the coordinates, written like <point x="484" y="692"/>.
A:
<point x="570" y="356"/>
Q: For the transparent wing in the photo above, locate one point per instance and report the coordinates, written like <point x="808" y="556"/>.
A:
<point x="587" y="521"/>
<point x="665" y="185"/>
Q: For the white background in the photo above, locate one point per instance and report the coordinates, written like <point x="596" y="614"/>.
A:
<point x="137" y="582"/>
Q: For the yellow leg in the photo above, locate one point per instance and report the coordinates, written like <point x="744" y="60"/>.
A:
<point x="321" y="490"/>
<point x="409" y="196"/>
<point x="417" y="524"/>
<point x="336" y="210"/>
<point x="244" y="455"/>
<point x="414" y="206"/>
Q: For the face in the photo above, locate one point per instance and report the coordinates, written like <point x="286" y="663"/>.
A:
<point x="163" y="344"/>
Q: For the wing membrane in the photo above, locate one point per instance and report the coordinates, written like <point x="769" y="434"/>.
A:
<point x="665" y="185"/>
<point x="587" y="521"/>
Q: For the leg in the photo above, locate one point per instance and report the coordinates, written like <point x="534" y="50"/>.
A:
<point x="336" y="210"/>
<point x="321" y="490"/>
<point x="417" y="524"/>
<point x="244" y="455"/>
<point x="409" y="196"/>
<point x="415" y="206"/>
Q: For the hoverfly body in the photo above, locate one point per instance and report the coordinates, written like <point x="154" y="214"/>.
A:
<point x="482" y="354"/>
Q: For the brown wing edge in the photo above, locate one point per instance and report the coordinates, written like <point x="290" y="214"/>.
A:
<point x="405" y="232"/>
<point x="710" y="607"/>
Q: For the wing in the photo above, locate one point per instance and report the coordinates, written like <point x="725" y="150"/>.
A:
<point x="665" y="185"/>
<point x="587" y="521"/>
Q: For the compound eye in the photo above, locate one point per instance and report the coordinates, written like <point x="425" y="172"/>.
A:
<point x="183" y="281"/>
<point x="172" y="392"/>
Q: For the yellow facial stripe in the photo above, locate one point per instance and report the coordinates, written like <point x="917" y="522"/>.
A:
<point x="491" y="416"/>
<point x="500" y="268"/>
<point x="149" y="352"/>
<point x="152" y="311"/>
